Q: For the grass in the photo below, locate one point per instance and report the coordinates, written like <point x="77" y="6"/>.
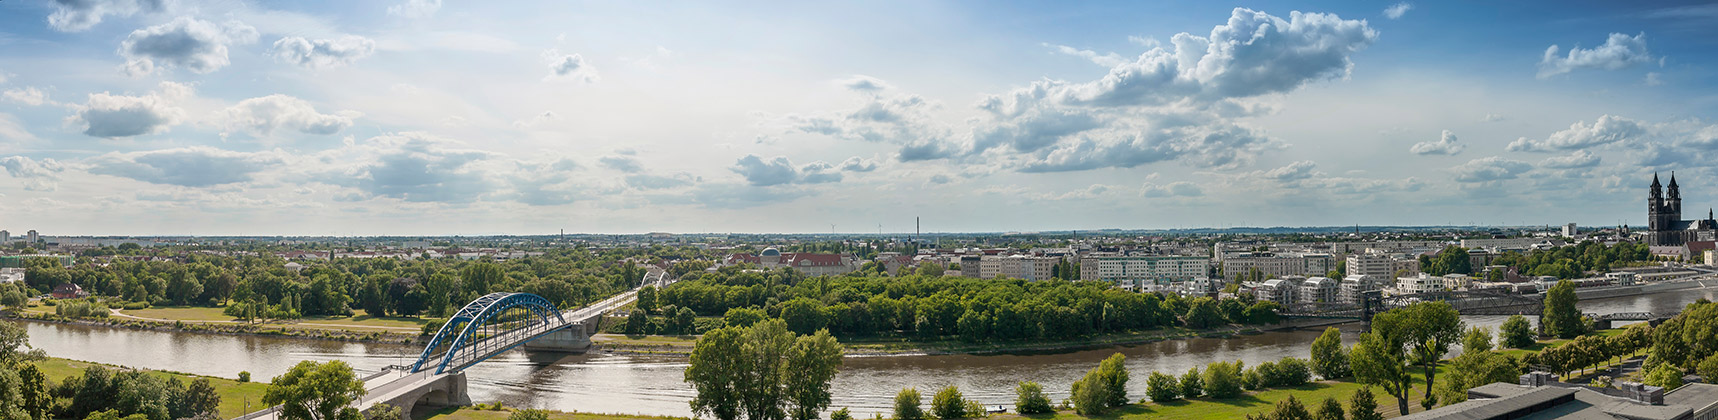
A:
<point x="469" y="413"/>
<point x="358" y="320"/>
<point x="233" y="394"/>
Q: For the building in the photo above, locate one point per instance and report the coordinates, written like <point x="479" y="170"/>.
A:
<point x="1136" y="272"/>
<point x="969" y="265"/>
<point x="1283" y="291"/>
<point x="1665" y="226"/>
<point x="1382" y="265"/>
<point x="1017" y="266"/>
<point x="1320" y="290"/>
<point x="1421" y="283"/>
<point x="1356" y="285"/>
<point x="5" y="237"/>
<point x="1569" y="230"/>
<point x="32" y="238"/>
<point x="69" y="291"/>
<point x="808" y="263"/>
<point x="1538" y="398"/>
<point x="1272" y="265"/>
<point x="12" y="275"/>
<point x="1457" y="281"/>
<point x="1511" y="243"/>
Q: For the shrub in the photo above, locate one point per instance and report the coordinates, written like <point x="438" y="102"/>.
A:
<point x="948" y="404"/>
<point x="1251" y="380"/>
<point x="1191" y="384"/>
<point x="907" y="405"/>
<point x="1330" y="409"/>
<point x="1292" y="372"/>
<point x="1329" y="359"/>
<point x="1290" y="409"/>
<point x="1363" y="406"/>
<point x="1708" y="369"/>
<point x="1029" y="399"/>
<point x="433" y="326"/>
<point x="843" y="414"/>
<point x="1090" y="394"/>
<point x="1161" y="387"/>
<point x="1517" y="333"/>
<point x="1222" y="379"/>
<point x="1114" y="373"/>
<point x="529" y="414"/>
<point x="1666" y="376"/>
<point x="244" y="376"/>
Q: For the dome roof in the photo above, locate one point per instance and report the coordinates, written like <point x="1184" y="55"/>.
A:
<point x="771" y="252"/>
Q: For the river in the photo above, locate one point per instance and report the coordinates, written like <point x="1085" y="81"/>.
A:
<point x="603" y="383"/>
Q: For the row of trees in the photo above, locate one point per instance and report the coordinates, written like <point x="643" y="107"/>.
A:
<point x="763" y="372"/>
<point x="1589" y="350"/>
<point x="957" y="307"/>
<point x="1571" y="262"/>
<point x="27" y="394"/>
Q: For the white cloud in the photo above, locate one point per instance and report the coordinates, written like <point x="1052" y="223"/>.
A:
<point x="1579" y="159"/>
<point x="1446" y="145"/>
<point x="858" y="164"/>
<point x="1619" y="51"/>
<point x="1580" y="135"/>
<point x="261" y="116"/>
<point x="38" y="175"/>
<point x="27" y="96"/>
<point x="571" y="67"/>
<point x="1106" y="60"/>
<point x="535" y="120"/>
<point x="779" y="171"/>
<point x="189" y="167"/>
<point x="863" y="83"/>
<point x="419" y="168"/>
<point x="79" y="15"/>
<point x="1654" y="79"/>
<point x="323" y="53"/>
<point x="1292" y="172"/>
<point x="1173" y="189"/>
<point x="1490" y="169"/>
<point x="622" y="162"/>
<point x="196" y="45"/>
<point x="1396" y="11"/>
<point x="415" y="9"/>
<point x="1492" y="118"/>
<point x="110" y="116"/>
<point x="13" y="132"/>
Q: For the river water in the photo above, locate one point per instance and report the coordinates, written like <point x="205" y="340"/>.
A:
<point x="652" y="385"/>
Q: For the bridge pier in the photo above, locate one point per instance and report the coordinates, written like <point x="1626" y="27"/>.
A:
<point x="449" y="391"/>
<point x="572" y="339"/>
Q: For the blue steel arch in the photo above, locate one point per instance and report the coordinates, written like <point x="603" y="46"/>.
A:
<point x="473" y="316"/>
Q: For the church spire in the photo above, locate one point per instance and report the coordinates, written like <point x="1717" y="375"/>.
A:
<point x="1655" y="184"/>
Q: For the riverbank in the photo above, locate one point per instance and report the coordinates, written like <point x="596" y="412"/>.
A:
<point x="285" y="330"/>
<point x="237" y="398"/>
<point x="682" y="345"/>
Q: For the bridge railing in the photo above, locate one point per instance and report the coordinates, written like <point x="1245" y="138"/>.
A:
<point x="260" y="413"/>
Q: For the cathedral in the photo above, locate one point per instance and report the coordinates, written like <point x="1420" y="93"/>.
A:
<point x="1665" y="226"/>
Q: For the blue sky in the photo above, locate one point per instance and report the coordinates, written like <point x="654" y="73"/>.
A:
<point x="427" y="117"/>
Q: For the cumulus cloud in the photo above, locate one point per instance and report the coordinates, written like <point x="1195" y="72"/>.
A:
<point x="78" y="15"/>
<point x="568" y="67"/>
<point x="262" y="116"/>
<point x="28" y="96"/>
<point x="1492" y="118"/>
<point x="196" y="45"/>
<point x="779" y="170"/>
<point x="1210" y="144"/>
<point x="624" y="162"/>
<point x="189" y="167"/>
<point x="1618" y="52"/>
<point x="1446" y="145"/>
<point x="1292" y="172"/>
<point x="1173" y="189"/>
<point x="1396" y="11"/>
<point x="110" y="116"/>
<point x="38" y="175"/>
<point x="1580" y="135"/>
<point x="1490" y="169"/>
<point x="415" y="9"/>
<point x="858" y="164"/>
<point x="1579" y="159"/>
<point x="323" y="53"/>
<point x="1106" y="60"/>
<point x="416" y="167"/>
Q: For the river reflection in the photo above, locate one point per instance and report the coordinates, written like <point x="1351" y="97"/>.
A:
<point x="652" y="385"/>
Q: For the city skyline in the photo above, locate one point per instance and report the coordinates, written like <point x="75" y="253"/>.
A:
<point x="153" y="117"/>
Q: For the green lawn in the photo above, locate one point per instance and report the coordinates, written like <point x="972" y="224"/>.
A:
<point x="469" y="413"/>
<point x="233" y="394"/>
<point x="180" y="313"/>
<point x="358" y="320"/>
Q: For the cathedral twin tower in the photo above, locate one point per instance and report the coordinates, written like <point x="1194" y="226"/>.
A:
<point x="1664" y="218"/>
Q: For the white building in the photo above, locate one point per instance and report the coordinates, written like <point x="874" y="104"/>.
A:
<point x="1136" y="272"/>
<point x="32" y="237"/>
<point x="1017" y="266"/>
<point x="12" y="275"/>
<point x="1271" y="265"/>
<point x="1382" y="265"/>
<point x="1457" y="281"/>
<point x="5" y="237"/>
<point x="1569" y="230"/>
<point x="1355" y="285"/>
<point x="1319" y="290"/>
<point x="1421" y="283"/>
<point x="1283" y="291"/>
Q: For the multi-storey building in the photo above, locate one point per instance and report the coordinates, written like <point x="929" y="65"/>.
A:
<point x="1017" y="266"/>
<point x="1382" y="265"/>
<point x="1136" y="272"/>
<point x="1421" y="283"/>
<point x="1284" y="290"/>
<point x="1270" y="265"/>
<point x="1355" y="285"/>
<point x="1319" y="290"/>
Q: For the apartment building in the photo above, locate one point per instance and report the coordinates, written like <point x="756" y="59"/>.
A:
<point x="1017" y="266"/>
<point x="1382" y="265"/>
<point x="1137" y="272"/>
<point x="1272" y="265"/>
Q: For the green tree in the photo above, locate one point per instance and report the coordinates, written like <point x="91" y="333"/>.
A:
<point x="1381" y="358"/>
<point x="743" y="317"/>
<point x="314" y="391"/>
<point x="1476" y="339"/>
<point x="1203" y="314"/>
<point x="1666" y="376"/>
<point x="1290" y="408"/>
<point x="480" y="278"/>
<point x="717" y="362"/>
<point x="811" y="364"/>
<point x="1029" y="398"/>
<point x="1162" y="388"/>
<point x="1708" y="369"/>
<point x="907" y="405"/>
<point x="1223" y="379"/>
<point x="1363" y="406"/>
<point x="13" y="298"/>
<point x="1089" y="394"/>
<point x="1330" y="409"/>
<point x="948" y="404"/>
<point x="1329" y="359"/>
<point x="1431" y="328"/>
<point x="842" y="414"/>
<point x="637" y="323"/>
<point x="1562" y="318"/>
<point x="1192" y="384"/>
<point x="1114" y="374"/>
<point x="767" y="345"/>
<point x="804" y="316"/>
<point x="647" y="299"/>
<point x="1517" y="333"/>
<point x="201" y="399"/>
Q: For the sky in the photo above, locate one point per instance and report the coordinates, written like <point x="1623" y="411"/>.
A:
<point x="430" y="117"/>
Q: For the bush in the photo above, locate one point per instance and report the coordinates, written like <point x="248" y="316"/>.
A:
<point x="1330" y="409"/>
<point x="529" y="414"/>
<point x="1292" y="372"/>
<point x="1192" y="385"/>
<point x="1090" y="395"/>
<point x="1223" y="379"/>
<point x="1517" y="333"/>
<point x="1329" y="359"/>
<point x="1666" y="376"/>
<point x="432" y="326"/>
<point x="907" y="405"/>
<point x="1708" y="369"/>
<point x="1363" y="406"/>
<point x="136" y="305"/>
<point x="244" y="376"/>
<point x="1029" y="399"/>
<point x="841" y="414"/>
<point x="1290" y="409"/>
<point x="1114" y="373"/>
<point x="1161" y="387"/>
<point x="948" y="404"/>
<point x="1251" y="380"/>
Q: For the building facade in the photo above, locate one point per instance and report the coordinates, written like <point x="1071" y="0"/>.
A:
<point x="1665" y="226"/>
<point x="1136" y="272"/>
<point x="1382" y="265"/>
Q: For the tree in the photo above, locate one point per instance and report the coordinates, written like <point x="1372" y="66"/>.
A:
<point x="1029" y="399"/>
<point x="1290" y="409"/>
<point x="1431" y="328"/>
<point x="1223" y="379"/>
<point x="1330" y="409"/>
<point x="842" y="414"/>
<point x="1203" y="314"/>
<point x="1192" y="385"/>
<point x="1363" y="406"/>
<point x="637" y="322"/>
<point x="384" y="411"/>
<point x="1380" y="359"/>
<point x="200" y="398"/>
<point x="647" y="299"/>
<point x="1666" y="376"/>
<point x="811" y="364"/>
<point x="526" y="414"/>
<point x="717" y="362"/>
<point x="948" y="404"/>
<point x="1114" y="374"/>
<point x="1708" y="369"/>
<point x="907" y="405"/>
<point x="1517" y="333"/>
<point x="1162" y="388"/>
<point x="1089" y="394"/>
<point x="804" y="316"/>
<point x="1476" y="339"/>
<point x="314" y="391"/>
<point x="1329" y="359"/>
<point x="480" y="278"/>
<point x="13" y="298"/>
<point x="1562" y="318"/>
